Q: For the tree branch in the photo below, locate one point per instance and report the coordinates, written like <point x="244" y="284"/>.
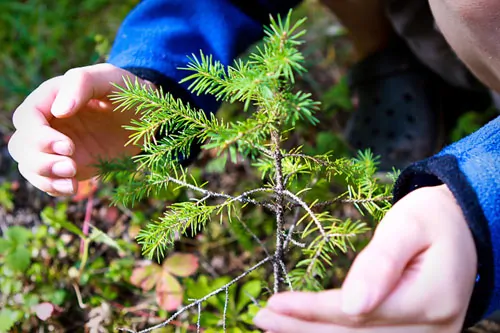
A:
<point x="203" y="299"/>
<point x="308" y="210"/>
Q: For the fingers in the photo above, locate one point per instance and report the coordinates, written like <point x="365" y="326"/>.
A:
<point x="40" y="139"/>
<point x="55" y="187"/>
<point x="278" y="323"/>
<point x="378" y="268"/>
<point x="44" y="159"/>
<point x="81" y="85"/>
<point x="35" y="110"/>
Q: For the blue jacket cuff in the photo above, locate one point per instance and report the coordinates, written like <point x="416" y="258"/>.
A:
<point x="470" y="168"/>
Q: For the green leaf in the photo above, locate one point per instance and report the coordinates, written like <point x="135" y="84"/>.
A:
<point x="18" y="235"/>
<point x="7" y="319"/>
<point x="249" y="289"/>
<point x="6" y="197"/>
<point x="58" y="218"/>
<point x="5" y="245"/>
<point x="19" y="260"/>
<point x="181" y="264"/>
<point x="100" y="237"/>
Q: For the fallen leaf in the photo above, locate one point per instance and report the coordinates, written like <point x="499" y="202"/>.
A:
<point x="168" y="292"/>
<point x="44" y="310"/>
<point x="181" y="264"/>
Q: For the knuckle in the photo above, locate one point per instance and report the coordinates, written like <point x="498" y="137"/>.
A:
<point x="356" y="321"/>
<point x="77" y="75"/>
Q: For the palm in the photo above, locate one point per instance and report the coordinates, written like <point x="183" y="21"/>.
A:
<point x="97" y="132"/>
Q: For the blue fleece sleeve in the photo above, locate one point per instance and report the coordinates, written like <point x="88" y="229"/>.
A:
<point x="471" y="169"/>
<point x="158" y="35"/>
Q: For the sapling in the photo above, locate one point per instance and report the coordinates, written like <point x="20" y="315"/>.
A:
<point x="168" y="129"/>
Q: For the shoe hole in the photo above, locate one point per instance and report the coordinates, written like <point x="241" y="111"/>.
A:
<point x="391" y="135"/>
<point x="411" y="119"/>
<point x="389" y="112"/>
<point x="375" y="131"/>
<point x="367" y="120"/>
<point x="376" y="101"/>
<point x="408" y="98"/>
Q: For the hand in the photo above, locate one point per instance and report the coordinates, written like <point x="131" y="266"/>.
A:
<point x="67" y="124"/>
<point x="416" y="275"/>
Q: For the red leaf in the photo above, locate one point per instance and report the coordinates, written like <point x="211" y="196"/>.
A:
<point x="168" y="292"/>
<point x="146" y="277"/>
<point x="85" y="189"/>
<point x="181" y="264"/>
<point x="44" y="310"/>
<point x="112" y="214"/>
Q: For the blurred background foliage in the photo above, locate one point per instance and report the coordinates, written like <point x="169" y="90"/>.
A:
<point x="40" y="39"/>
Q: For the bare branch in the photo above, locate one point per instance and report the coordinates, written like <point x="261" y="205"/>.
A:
<point x="240" y="198"/>
<point x="354" y="201"/>
<point x="226" y="301"/>
<point x="203" y="299"/>
<point x="296" y="217"/>
<point x="308" y="210"/>
<point x="199" y="319"/>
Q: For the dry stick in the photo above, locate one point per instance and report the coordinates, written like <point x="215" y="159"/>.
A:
<point x="203" y="299"/>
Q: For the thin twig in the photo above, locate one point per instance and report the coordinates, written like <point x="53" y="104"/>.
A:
<point x="294" y="242"/>
<point x="226" y="301"/>
<point x="308" y="210"/>
<point x="254" y="236"/>
<point x="199" y="319"/>
<point x="285" y="274"/>
<point x="79" y="296"/>
<point x="241" y="198"/>
<point x="307" y="157"/>
<point x="355" y="201"/>
<point x="203" y="299"/>
<point x="296" y="218"/>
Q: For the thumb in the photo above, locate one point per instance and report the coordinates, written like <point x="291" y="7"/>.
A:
<point x="80" y="85"/>
<point x="379" y="267"/>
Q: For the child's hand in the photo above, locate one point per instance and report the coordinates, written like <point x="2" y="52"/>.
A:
<point x="66" y="124"/>
<point x="416" y="275"/>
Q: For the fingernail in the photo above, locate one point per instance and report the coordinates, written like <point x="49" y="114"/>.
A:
<point x="355" y="299"/>
<point x="64" y="169"/>
<point x="62" y="148"/>
<point x="62" y="106"/>
<point x="263" y="319"/>
<point x="63" y="186"/>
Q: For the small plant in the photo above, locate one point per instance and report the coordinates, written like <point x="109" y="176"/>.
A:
<point x="169" y="292"/>
<point x="168" y="128"/>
